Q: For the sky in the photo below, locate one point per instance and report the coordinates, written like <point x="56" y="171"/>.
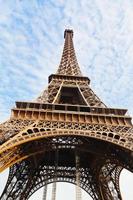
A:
<point x="31" y="42"/>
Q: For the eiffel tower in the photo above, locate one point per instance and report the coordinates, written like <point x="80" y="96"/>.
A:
<point x="66" y="135"/>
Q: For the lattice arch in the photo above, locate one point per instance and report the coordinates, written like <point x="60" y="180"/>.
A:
<point x="46" y="175"/>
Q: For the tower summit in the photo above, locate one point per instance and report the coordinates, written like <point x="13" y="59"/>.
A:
<point x="69" y="135"/>
<point x="69" y="64"/>
<point x="69" y="72"/>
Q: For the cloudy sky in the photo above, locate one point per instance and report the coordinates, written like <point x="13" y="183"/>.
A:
<point x="31" y="42"/>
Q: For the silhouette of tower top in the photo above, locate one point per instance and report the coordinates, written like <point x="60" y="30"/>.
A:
<point x="69" y="64"/>
<point x="68" y="31"/>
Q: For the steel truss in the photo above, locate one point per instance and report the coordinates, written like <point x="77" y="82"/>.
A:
<point x="96" y="178"/>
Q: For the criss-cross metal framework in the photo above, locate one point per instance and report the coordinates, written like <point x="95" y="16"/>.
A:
<point x="93" y="142"/>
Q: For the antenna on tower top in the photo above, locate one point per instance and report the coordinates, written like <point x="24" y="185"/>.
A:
<point x="68" y="31"/>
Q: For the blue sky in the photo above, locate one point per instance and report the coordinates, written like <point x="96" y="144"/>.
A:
<point x="31" y="42"/>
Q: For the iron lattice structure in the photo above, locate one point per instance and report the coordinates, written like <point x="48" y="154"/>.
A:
<point x="41" y="139"/>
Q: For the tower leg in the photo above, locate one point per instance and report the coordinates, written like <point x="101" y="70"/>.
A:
<point x="78" y="189"/>
<point x="109" y="182"/>
<point x="54" y="185"/>
<point x="21" y="180"/>
<point x="45" y="193"/>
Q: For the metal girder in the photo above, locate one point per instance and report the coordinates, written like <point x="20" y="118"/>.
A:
<point x="39" y="170"/>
